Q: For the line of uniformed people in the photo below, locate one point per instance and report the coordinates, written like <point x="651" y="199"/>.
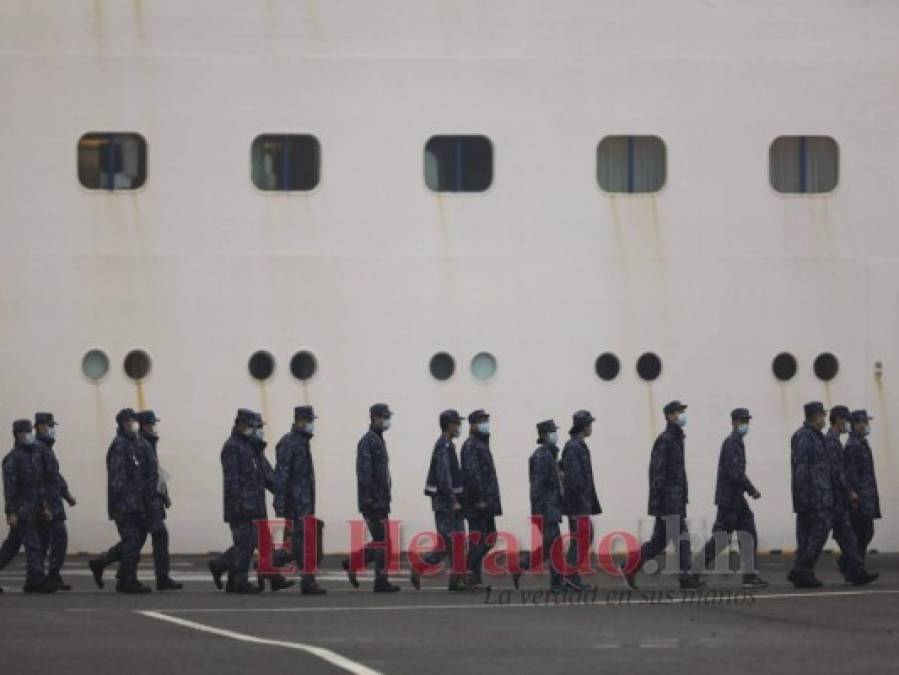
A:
<point x="834" y="489"/>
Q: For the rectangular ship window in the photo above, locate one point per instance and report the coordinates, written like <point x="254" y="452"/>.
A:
<point x="458" y="163"/>
<point x="285" y="162"/>
<point x="112" y="161"/>
<point x="804" y="164"/>
<point x="631" y="164"/>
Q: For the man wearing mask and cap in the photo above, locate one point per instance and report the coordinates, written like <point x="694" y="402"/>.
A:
<point x="668" y="498"/>
<point x="54" y="537"/>
<point x="579" y="498"/>
<point x="155" y="520"/>
<point x="131" y="490"/>
<point x="246" y="475"/>
<point x="444" y="486"/>
<point x="841" y="528"/>
<point x="373" y="488"/>
<point x="861" y="480"/>
<point x="814" y="502"/>
<point x="481" y="500"/>
<point x="731" y="488"/>
<point x="25" y="507"/>
<point x="546" y="501"/>
<point x="295" y="498"/>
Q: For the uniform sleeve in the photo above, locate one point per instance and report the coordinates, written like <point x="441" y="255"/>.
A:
<point x="231" y="472"/>
<point x="151" y="474"/>
<point x="52" y="476"/>
<point x="799" y="462"/>
<point x="471" y="472"/>
<point x="117" y="474"/>
<point x="282" y="476"/>
<point x="573" y="466"/>
<point x="364" y="470"/>
<point x="854" y="466"/>
<point x="444" y="472"/>
<point x="658" y="473"/>
<point x="733" y="464"/>
<point x="10" y="486"/>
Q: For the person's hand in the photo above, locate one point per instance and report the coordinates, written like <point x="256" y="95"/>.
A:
<point x="71" y="500"/>
<point x="756" y="494"/>
<point x="481" y="505"/>
<point x="456" y="506"/>
<point x="167" y="502"/>
<point x="12" y="519"/>
<point x="853" y="497"/>
<point x="46" y="515"/>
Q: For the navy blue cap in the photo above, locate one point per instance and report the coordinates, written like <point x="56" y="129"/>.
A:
<point x="245" y="416"/>
<point x="380" y="410"/>
<point x="582" y="418"/>
<point x="147" y="417"/>
<point x="304" y="412"/>
<point x="673" y="406"/>
<point x="839" y="411"/>
<point x="476" y="416"/>
<point x="546" y="426"/>
<point x="740" y="414"/>
<point x="21" y="425"/>
<point x="859" y="416"/>
<point x="814" y="408"/>
<point x="125" y="414"/>
<point x="257" y="420"/>
<point x="45" y="418"/>
<point x="450" y="417"/>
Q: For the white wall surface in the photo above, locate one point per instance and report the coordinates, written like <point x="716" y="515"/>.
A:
<point x="374" y="273"/>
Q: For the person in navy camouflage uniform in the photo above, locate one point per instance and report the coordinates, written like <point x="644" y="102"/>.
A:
<point x="155" y="514"/>
<point x="444" y="486"/>
<point x="579" y="498"/>
<point x="373" y="490"/>
<point x="246" y="475"/>
<point x="813" y="486"/>
<point x="131" y="493"/>
<point x="546" y="501"/>
<point x="731" y="487"/>
<point x="860" y="476"/>
<point x="54" y="536"/>
<point x="295" y="497"/>
<point x="668" y="498"/>
<point x="480" y="494"/>
<point x="25" y="503"/>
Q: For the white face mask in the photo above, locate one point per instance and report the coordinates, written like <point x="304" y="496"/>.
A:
<point x="484" y="427"/>
<point x="133" y="427"/>
<point x="867" y="429"/>
<point x="385" y="423"/>
<point x="51" y="432"/>
<point x="682" y="419"/>
<point x="259" y="433"/>
<point x="553" y="437"/>
<point x="309" y="428"/>
<point x="29" y="438"/>
<point x="846" y="427"/>
<point x="742" y="429"/>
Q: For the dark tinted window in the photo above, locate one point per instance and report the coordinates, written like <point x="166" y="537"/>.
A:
<point x="112" y="161"/>
<point x="458" y="163"/>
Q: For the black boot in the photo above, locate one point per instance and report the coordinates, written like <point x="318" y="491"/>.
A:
<point x="311" y="587"/>
<point x="131" y="587"/>
<point x="216" y="574"/>
<point x="382" y="585"/>
<point x="690" y="582"/>
<point x="754" y="581"/>
<point x="168" y="584"/>
<point x="457" y="584"/>
<point x="39" y="585"/>
<point x="803" y="579"/>
<point x="862" y="577"/>
<point x="415" y="580"/>
<point x="97" y="568"/>
<point x="275" y="581"/>
<point x="57" y="581"/>
<point x="243" y="588"/>
<point x="350" y="575"/>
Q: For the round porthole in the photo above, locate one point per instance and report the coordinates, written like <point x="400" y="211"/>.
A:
<point x="784" y="366"/>
<point x="261" y="365"/>
<point x="607" y="366"/>
<point x="826" y="366"/>
<point x="483" y="366"/>
<point x="649" y="367"/>
<point x="442" y="366"/>
<point x="137" y="364"/>
<point x="303" y="365"/>
<point x="95" y="364"/>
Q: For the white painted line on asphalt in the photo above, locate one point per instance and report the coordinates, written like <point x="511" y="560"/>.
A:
<point x="333" y="658"/>
<point x="689" y="602"/>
